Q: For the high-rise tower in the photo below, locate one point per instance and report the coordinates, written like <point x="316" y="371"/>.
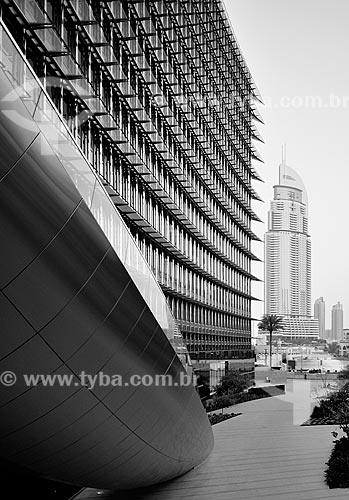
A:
<point x="319" y="313"/>
<point x="337" y="321"/>
<point x="288" y="256"/>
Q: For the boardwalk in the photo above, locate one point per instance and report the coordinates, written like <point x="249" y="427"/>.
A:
<point x="262" y="454"/>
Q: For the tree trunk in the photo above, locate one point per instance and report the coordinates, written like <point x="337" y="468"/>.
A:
<point x="270" y="347"/>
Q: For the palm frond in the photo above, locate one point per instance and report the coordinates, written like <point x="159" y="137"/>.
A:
<point x="271" y="322"/>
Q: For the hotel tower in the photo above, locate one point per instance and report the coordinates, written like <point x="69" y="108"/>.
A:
<point x="288" y="257"/>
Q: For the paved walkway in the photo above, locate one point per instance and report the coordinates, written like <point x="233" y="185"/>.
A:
<point x="261" y="454"/>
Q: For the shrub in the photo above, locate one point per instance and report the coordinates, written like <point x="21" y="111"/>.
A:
<point x="337" y="474"/>
<point x="344" y="373"/>
<point x="220" y="402"/>
<point x="318" y="412"/>
<point x="230" y="399"/>
<point x="335" y="406"/>
<point x="217" y="418"/>
<point x="229" y="392"/>
<point x="232" y="382"/>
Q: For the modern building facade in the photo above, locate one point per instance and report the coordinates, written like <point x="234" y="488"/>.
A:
<point x="288" y="257"/>
<point x="320" y="314"/>
<point x="337" y="322"/>
<point x="170" y="107"/>
<point x="126" y="191"/>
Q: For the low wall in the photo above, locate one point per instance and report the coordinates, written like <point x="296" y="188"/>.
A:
<point x="312" y="376"/>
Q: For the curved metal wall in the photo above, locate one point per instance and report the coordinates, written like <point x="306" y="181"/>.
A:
<point x="75" y="298"/>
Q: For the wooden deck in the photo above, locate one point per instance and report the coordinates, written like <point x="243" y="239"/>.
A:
<point x="263" y="453"/>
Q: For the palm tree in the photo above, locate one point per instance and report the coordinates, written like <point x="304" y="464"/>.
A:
<point x="271" y="323"/>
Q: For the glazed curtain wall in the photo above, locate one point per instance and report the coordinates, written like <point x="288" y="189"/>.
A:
<point x="77" y="295"/>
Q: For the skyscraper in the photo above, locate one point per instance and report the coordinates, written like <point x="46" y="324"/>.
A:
<point x="337" y="322"/>
<point x="320" y="314"/>
<point x="288" y="256"/>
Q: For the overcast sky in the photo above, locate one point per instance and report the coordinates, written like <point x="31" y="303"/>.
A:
<point x="298" y="53"/>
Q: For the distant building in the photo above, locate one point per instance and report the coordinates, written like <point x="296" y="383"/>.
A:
<point x="288" y="257"/>
<point x="297" y="328"/>
<point x="343" y="348"/>
<point x="319" y="313"/>
<point x="346" y="334"/>
<point x="328" y="335"/>
<point x="337" y="321"/>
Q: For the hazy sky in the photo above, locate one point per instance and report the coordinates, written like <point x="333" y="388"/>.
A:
<point x="298" y="53"/>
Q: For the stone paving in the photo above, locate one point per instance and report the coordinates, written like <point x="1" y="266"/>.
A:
<point x="264" y="453"/>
